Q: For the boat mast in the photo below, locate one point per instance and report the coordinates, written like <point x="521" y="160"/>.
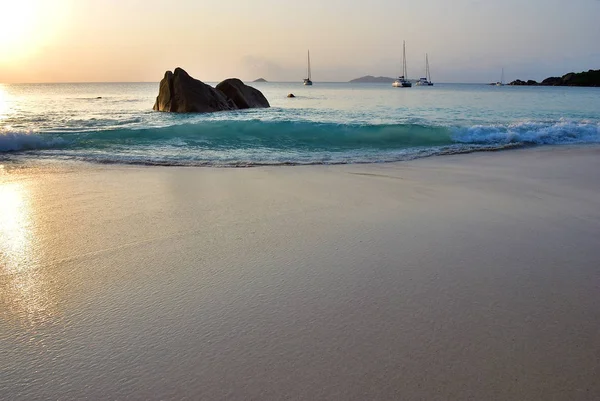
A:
<point x="404" y="72"/>
<point x="427" y="75"/>
<point x="309" y="65"/>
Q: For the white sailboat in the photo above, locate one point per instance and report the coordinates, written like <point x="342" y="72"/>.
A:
<point x="501" y="83"/>
<point x="426" y="81"/>
<point x="402" y="81"/>
<point x="307" y="80"/>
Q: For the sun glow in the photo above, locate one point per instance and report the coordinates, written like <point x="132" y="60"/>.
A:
<point x="26" y="25"/>
<point x="17" y="20"/>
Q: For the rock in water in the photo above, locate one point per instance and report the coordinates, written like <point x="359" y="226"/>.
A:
<point x="242" y="95"/>
<point x="181" y="93"/>
<point x="290" y="95"/>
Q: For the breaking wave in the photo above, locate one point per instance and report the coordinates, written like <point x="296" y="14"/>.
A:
<point x="243" y="143"/>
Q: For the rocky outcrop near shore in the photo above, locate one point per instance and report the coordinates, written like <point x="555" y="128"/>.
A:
<point x="242" y="95"/>
<point x="373" y="80"/>
<point x="180" y="93"/>
<point x="590" y="78"/>
<point x="518" y="82"/>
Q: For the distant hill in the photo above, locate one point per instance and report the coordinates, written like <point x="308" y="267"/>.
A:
<point x="260" y="80"/>
<point x="589" y="78"/>
<point x="372" y="79"/>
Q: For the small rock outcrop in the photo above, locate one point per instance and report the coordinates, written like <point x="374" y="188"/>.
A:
<point x="519" y="82"/>
<point x="290" y="95"/>
<point x="372" y="79"/>
<point x="180" y="93"/>
<point x="242" y="95"/>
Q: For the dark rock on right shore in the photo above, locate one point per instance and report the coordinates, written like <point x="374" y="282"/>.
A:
<point x="589" y="78"/>
<point x="551" y="81"/>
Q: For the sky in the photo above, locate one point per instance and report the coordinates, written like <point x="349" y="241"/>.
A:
<point x="138" y="40"/>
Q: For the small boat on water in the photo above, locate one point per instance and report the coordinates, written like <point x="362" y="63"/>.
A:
<point x="402" y="81"/>
<point x="501" y="82"/>
<point x="307" y="80"/>
<point x="426" y="81"/>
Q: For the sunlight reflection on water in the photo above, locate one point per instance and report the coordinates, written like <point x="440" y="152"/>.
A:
<point x="3" y="103"/>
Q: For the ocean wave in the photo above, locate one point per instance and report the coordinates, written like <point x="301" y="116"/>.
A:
<point x="276" y="135"/>
<point x="255" y="142"/>
<point x="21" y="141"/>
<point x="531" y="133"/>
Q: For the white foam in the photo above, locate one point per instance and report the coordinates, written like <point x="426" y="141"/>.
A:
<point x="529" y="132"/>
<point x="16" y="141"/>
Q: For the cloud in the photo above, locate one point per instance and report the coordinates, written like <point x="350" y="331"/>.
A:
<point x="262" y="67"/>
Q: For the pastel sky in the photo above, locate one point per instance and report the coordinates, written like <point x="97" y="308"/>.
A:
<point x="137" y="40"/>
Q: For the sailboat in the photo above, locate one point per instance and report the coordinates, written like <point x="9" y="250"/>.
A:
<point x="307" y="80"/>
<point x="427" y="80"/>
<point x="501" y="83"/>
<point x="402" y="81"/>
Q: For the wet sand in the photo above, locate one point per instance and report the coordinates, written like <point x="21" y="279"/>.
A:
<point x="461" y="277"/>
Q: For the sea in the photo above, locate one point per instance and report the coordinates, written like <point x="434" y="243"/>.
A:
<point x="328" y="123"/>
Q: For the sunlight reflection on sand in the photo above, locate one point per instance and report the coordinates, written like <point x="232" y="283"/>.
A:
<point x="25" y="294"/>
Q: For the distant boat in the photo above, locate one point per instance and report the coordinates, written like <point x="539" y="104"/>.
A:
<point x="501" y="83"/>
<point x="427" y="80"/>
<point x="307" y="80"/>
<point x="402" y="81"/>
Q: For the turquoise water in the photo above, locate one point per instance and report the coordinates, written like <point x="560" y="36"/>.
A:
<point x="325" y="123"/>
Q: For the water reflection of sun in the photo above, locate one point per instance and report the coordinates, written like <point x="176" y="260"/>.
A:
<point x="24" y="290"/>
<point x="3" y="105"/>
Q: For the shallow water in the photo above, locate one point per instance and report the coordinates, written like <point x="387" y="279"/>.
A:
<point x="325" y="123"/>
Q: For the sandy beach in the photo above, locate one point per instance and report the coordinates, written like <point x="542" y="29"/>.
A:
<point x="468" y="277"/>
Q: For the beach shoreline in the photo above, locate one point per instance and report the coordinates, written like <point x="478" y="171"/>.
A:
<point x="471" y="276"/>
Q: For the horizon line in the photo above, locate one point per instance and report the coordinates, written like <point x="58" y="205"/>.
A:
<point x="266" y="81"/>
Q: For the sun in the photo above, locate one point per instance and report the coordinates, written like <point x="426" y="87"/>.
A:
<point x="17" y="24"/>
<point x="26" y="25"/>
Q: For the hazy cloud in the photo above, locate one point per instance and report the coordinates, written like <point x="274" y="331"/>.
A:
<point x="262" y="67"/>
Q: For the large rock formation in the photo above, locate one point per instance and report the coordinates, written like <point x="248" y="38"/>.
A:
<point x="242" y="95"/>
<point x="180" y="93"/>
